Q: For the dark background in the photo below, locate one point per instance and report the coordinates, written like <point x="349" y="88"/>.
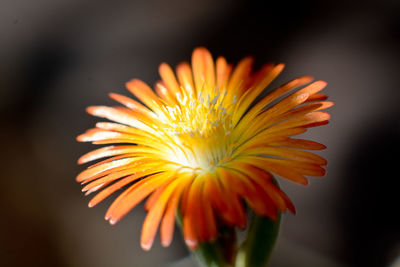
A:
<point x="57" y="57"/>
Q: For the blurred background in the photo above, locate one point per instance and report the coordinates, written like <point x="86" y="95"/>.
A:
<point x="57" y="57"/>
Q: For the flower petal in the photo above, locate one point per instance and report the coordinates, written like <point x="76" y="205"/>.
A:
<point x="203" y="70"/>
<point x="185" y="78"/>
<point x="168" y="76"/>
<point x="134" y="195"/>
<point x="168" y="221"/>
<point x="223" y="72"/>
<point x="155" y="214"/>
<point x="239" y="77"/>
<point x="144" y="93"/>
<point x="166" y="95"/>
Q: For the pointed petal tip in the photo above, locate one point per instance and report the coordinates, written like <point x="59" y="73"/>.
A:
<point x="192" y="244"/>
<point x="165" y="244"/>
<point x="88" y="192"/>
<point x="200" y="49"/>
<point x="80" y="178"/>
<point x="132" y="83"/>
<point x="113" y="221"/>
<point x="163" y="65"/>
<point x="305" y="182"/>
<point x="146" y="246"/>
<point x="248" y="60"/>
<point x="307" y="78"/>
<point x="323" y="83"/>
<point x="292" y="209"/>
<point x="89" y="109"/>
<point x="280" y="66"/>
<point x="163" y="68"/>
<point x="112" y="95"/>
<point x="92" y="110"/>
<point x="79" y="138"/>
<point x="82" y="159"/>
<point x="328" y="116"/>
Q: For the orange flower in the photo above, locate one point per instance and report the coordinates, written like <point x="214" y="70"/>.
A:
<point x="202" y="144"/>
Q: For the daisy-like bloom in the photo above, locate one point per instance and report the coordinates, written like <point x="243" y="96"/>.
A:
<point x="204" y="143"/>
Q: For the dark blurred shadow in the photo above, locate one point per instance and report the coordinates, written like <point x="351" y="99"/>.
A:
<point x="28" y="229"/>
<point x="371" y="221"/>
<point x="46" y="60"/>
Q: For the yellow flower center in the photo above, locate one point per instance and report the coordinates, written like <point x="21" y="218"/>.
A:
<point x="199" y="129"/>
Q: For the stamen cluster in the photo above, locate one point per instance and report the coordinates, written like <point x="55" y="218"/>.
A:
<point x="201" y="127"/>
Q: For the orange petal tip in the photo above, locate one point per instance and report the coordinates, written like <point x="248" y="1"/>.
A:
<point x="163" y="66"/>
<point x="146" y="247"/>
<point x="280" y="66"/>
<point x="79" y="178"/>
<point x="322" y="83"/>
<point x="113" y="96"/>
<point x="306" y="79"/>
<point x="327" y="116"/>
<point x="80" y="138"/>
<point x="200" y="49"/>
<point x="113" y="221"/>
<point x="81" y="159"/>
<point x="165" y="244"/>
<point x="132" y="83"/>
<point x="90" y="110"/>
<point x="304" y="182"/>
<point x="192" y="244"/>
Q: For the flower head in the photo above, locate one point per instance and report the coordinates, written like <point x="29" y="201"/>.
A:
<point x="204" y="143"/>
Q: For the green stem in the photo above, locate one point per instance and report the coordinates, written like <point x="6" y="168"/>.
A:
<point x="257" y="248"/>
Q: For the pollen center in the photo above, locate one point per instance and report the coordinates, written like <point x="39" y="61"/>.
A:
<point x="199" y="129"/>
